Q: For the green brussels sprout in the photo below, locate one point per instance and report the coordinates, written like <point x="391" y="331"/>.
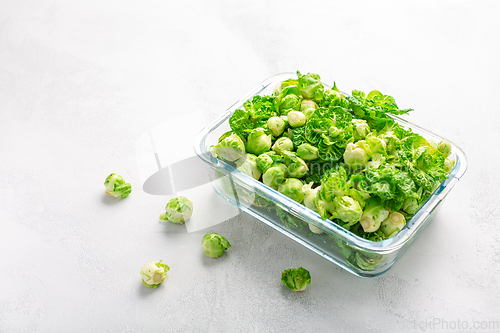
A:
<point x="296" y="118"/>
<point x="154" y="273"/>
<point x="368" y="261"/>
<point x="214" y="244"/>
<point x="310" y="196"/>
<point x="448" y="165"/>
<point x="410" y="205"/>
<point x="307" y="152"/>
<point x="357" y="154"/>
<point x="282" y="144"/>
<point x="283" y="167"/>
<point x="115" y="186"/>
<point x="274" y="177"/>
<point x="347" y="209"/>
<point x="392" y="224"/>
<point x="276" y="125"/>
<point x="373" y="215"/>
<point x="267" y="160"/>
<point x="308" y="104"/>
<point x="178" y="210"/>
<point x="361" y="129"/>
<point x="308" y="113"/>
<point x="258" y="141"/>
<point x="248" y="165"/>
<point x="298" y="168"/>
<point x="230" y="148"/>
<point x="310" y="86"/>
<point x="445" y="148"/>
<point x="292" y="188"/>
<point x="297" y="279"/>
<point x="290" y="102"/>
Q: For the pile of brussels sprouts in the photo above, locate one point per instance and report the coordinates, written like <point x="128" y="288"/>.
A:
<point x="342" y="156"/>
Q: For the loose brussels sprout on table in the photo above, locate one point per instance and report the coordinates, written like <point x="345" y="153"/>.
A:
<point x="154" y="273"/>
<point x="116" y="186"/>
<point x="178" y="210"/>
<point x="214" y="245"/>
<point x="297" y="279"/>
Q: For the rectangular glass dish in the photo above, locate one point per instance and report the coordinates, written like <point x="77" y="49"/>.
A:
<point x="359" y="256"/>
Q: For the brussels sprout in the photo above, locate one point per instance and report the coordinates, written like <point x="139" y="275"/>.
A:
<point x="282" y="144"/>
<point x="285" y="120"/>
<point x="214" y="245"/>
<point x="276" y="125"/>
<point x="392" y="224"/>
<point x="410" y="205"/>
<point x="230" y="148"/>
<point x="267" y="160"/>
<point x="296" y="118"/>
<point x="310" y="86"/>
<point x="154" y="273"/>
<point x="248" y="165"/>
<point x="298" y="168"/>
<point x="258" y="141"/>
<point x="290" y="102"/>
<point x="178" y="210"/>
<point x="308" y="113"/>
<point x="307" y="152"/>
<point x="273" y="177"/>
<point x="310" y="196"/>
<point x="297" y="279"/>
<point x="283" y="167"/>
<point x="308" y="104"/>
<point x="116" y="186"/>
<point x="357" y="154"/>
<point x="292" y="188"/>
<point x="445" y="148"/>
<point x="361" y="129"/>
<point x="373" y="215"/>
<point x="347" y="209"/>
<point x="448" y="165"/>
<point x="368" y="261"/>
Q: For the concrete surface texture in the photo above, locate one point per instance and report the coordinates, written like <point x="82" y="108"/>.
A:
<point x="82" y="81"/>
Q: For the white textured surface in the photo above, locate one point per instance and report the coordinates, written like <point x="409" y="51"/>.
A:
<point x="81" y="81"/>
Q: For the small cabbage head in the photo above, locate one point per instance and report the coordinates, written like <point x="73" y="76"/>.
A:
<point x="448" y="165"/>
<point x="410" y="205"/>
<point x="297" y="168"/>
<point x="310" y="196"/>
<point x="274" y="177"/>
<point x="297" y="279"/>
<point x="283" y="144"/>
<point x="307" y="152"/>
<point x="248" y="165"/>
<point x="308" y="104"/>
<point x="276" y="125"/>
<point x="392" y="224"/>
<point x="154" y="273"/>
<point x="368" y="261"/>
<point x="258" y="141"/>
<point x="445" y="148"/>
<point x="214" y="245"/>
<point x="373" y="215"/>
<point x="361" y="129"/>
<point x="230" y="148"/>
<point x="290" y="102"/>
<point x="116" y="186"/>
<point x="310" y="86"/>
<point x="357" y="154"/>
<point x="267" y="160"/>
<point x="296" y="118"/>
<point x="292" y="188"/>
<point x="347" y="209"/>
<point x="178" y="210"/>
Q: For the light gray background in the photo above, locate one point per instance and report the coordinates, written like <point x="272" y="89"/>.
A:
<point x="81" y="81"/>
